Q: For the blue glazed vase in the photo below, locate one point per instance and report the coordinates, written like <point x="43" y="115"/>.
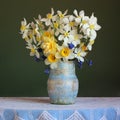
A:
<point x="63" y="83"/>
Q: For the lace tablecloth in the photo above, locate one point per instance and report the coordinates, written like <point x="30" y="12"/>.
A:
<point x="39" y="108"/>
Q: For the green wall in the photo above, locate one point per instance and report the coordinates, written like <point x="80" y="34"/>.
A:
<point x="20" y="75"/>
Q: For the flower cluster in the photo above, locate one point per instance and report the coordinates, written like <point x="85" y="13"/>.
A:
<point x="60" y="37"/>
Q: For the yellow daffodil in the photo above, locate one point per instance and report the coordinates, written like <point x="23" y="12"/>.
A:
<point x="49" y="45"/>
<point x="51" y="60"/>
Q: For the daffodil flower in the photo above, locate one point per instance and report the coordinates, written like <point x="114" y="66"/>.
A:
<point x="79" y="15"/>
<point x="49" y="18"/>
<point x="24" y="25"/>
<point x="66" y="36"/>
<point x="51" y="60"/>
<point x="91" y="27"/>
<point x="79" y="54"/>
<point x="33" y="50"/>
<point x="69" y="21"/>
<point x="65" y="53"/>
<point x="61" y="15"/>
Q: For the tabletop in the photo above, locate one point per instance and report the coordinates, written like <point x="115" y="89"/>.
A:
<point x="39" y="108"/>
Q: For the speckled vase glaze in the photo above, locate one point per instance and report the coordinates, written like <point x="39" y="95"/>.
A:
<point x="63" y="84"/>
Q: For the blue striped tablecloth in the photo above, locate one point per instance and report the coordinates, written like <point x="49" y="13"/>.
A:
<point x="39" y="108"/>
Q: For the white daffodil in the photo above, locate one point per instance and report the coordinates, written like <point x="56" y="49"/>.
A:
<point x="24" y="26"/>
<point x="49" y="18"/>
<point x="77" y="38"/>
<point x="84" y="23"/>
<point x="93" y="23"/>
<point x="91" y="27"/>
<point x="66" y="36"/>
<point x="79" y="15"/>
<point x="89" y="46"/>
<point x="61" y="15"/>
<point x="25" y="35"/>
<point x="38" y="21"/>
<point x="69" y="21"/>
<point x="33" y="50"/>
<point x="80" y="54"/>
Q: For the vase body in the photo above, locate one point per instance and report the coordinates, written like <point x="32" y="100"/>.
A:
<point x="63" y="83"/>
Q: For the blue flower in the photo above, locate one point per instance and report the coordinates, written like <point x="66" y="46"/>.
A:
<point x="39" y="50"/>
<point x="36" y="59"/>
<point x="43" y="57"/>
<point x="71" y="46"/>
<point x="47" y="71"/>
<point x="80" y="63"/>
<point x="90" y="63"/>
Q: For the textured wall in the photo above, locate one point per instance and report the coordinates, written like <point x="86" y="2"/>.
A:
<point x="21" y="76"/>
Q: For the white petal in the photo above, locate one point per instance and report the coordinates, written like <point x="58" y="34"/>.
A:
<point x="81" y="59"/>
<point x="37" y="54"/>
<point x="89" y="47"/>
<point x="77" y="20"/>
<point x="43" y="19"/>
<point x="46" y="62"/>
<point x="32" y="54"/>
<point x="81" y="13"/>
<point x="57" y="55"/>
<point x="52" y="11"/>
<point x="75" y="12"/>
<point x="93" y="34"/>
<point x="65" y="12"/>
<point x="97" y="27"/>
<point x="65" y="20"/>
<point x="53" y="65"/>
<point x="66" y="39"/>
<point x="83" y="54"/>
<point x="71" y="37"/>
<point x="47" y="22"/>
<point x="61" y="37"/>
<point x="71" y="18"/>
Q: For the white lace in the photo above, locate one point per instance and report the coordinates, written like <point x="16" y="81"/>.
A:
<point x="76" y="116"/>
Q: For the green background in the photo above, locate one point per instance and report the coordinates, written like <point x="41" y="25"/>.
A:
<point x="20" y="75"/>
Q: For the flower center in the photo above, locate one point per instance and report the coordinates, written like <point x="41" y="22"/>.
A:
<point x="84" y="22"/>
<point x="84" y="48"/>
<point x="49" y="16"/>
<point x="66" y="34"/>
<point x="52" y="58"/>
<point x="56" y="25"/>
<point x="33" y="50"/>
<point x="47" y="34"/>
<point x="65" y="52"/>
<point x="78" y="54"/>
<point x="71" y="24"/>
<point x="23" y="27"/>
<point x="91" y="26"/>
<point x="61" y="15"/>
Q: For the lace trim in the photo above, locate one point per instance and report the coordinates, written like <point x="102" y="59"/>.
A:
<point x="45" y="115"/>
<point x="76" y="116"/>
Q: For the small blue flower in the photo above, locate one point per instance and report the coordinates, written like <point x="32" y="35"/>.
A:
<point x="39" y="50"/>
<point x="80" y="63"/>
<point x="71" y="46"/>
<point x="47" y="71"/>
<point x="36" y="59"/>
<point x="43" y="57"/>
<point x="90" y="63"/>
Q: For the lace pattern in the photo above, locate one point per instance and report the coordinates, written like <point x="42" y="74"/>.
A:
<point x="46" y="115"/>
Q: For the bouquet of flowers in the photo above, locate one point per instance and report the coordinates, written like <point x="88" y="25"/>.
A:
<point x="60" y="37"/>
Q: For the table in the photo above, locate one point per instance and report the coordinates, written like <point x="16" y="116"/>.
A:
<point x="39" y="108"/>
